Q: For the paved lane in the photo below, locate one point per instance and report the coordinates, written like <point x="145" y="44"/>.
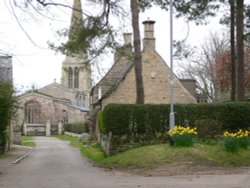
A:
<point x="55" y="164"/>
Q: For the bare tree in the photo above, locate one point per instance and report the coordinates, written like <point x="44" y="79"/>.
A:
<point x="202" y="66"/>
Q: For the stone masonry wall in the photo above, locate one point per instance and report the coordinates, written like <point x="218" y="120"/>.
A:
<point x="156" y="84"/>
<point x="50" y="110"/>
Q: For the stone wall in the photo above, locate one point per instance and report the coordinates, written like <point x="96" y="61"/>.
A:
<point x="156" y="84"/>
<point x="42" y="129"/>
<point x="51" y="110"/>
<point x="58" y="90"/>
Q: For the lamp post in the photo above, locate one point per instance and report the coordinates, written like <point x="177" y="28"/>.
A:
<point x="171" y="90"/>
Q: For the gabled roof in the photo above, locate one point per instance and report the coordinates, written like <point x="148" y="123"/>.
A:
<point x="37" y="92"/>
<point x="57" y="85"/>
<point x="116" y="81"/>
<point x="115" y="74"/>
<point x="120" y="71"/>
<point x="66" y="102"/>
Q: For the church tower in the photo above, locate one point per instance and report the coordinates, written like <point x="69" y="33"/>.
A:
<point x="76" y="71"/>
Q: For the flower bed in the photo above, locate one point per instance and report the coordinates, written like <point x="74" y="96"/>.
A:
<point x="234" y="141"/>
<point x="182" y="136"/>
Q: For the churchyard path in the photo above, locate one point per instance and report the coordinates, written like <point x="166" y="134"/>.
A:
<point x="55" y="164"/>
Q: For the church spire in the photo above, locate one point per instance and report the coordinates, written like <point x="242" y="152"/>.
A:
<point x="76" y="71"/>
<point x="76" y="16"/>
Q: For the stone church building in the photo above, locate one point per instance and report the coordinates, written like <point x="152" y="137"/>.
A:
<point x="44" y="110"/>
<point x="118" y="85"/>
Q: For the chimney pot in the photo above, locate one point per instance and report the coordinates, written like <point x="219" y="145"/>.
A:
<point x="127" y="38"/>
<point x="149" y="40"/>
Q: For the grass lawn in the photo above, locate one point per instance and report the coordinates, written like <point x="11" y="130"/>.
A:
<point x="156" y="155"/>
<point x="28" y="141"/>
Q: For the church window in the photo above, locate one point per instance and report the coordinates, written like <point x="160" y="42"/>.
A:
<point x="65" y="116"/>
<point x="70" y="78"/>
<point x="76" y="81"/>
<point x="33" y="112"/>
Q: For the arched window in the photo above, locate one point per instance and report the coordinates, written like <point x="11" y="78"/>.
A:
<point x="76" y="81"/>
<point x="70" y="78"/>
<point x="33" y="112"/>
<point x="64" y="116"/>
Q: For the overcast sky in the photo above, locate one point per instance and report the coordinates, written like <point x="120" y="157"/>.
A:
<point x="35" y="64"/>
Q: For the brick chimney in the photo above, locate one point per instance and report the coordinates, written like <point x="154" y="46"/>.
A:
<point x="149" y="40"/>
<point x="127" y="38"/>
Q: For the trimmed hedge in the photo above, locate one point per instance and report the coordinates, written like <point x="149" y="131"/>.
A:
<point x="132" y="123"/>
<point x="81" y="127"/>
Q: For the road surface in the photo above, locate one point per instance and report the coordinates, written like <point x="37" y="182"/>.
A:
<point x="55" y="164"/>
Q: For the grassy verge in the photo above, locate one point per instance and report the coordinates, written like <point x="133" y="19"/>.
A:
<point x="155" y="155"/>
<point x="92" y="151"/>
<point x="28" y="141"/>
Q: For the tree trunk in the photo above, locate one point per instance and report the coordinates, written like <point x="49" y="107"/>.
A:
<point x="137" y="52"/>
<point x="240" y="50"/>
<point x="232" y="42"/>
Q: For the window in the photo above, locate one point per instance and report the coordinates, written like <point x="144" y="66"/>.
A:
<point x="76" y="81"/>
<point x="70" y="78"/>
<point x="65" y="116"/>
<point x="33" y="112"/>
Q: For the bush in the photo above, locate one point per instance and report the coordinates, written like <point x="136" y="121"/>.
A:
<point x="81" y="127"/>
<point x="134" y="123"/>
<point x="208" y="128"/>
<point x="8" y="107"/>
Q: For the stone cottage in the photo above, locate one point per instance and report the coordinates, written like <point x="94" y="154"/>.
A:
<point x="118" y="85"/>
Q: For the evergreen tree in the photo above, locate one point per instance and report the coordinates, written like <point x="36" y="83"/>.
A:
<point x="198" y="11"/>
<point x="8" y="108"/>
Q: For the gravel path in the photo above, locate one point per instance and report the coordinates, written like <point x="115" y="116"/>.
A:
<point x="55" y="164"/>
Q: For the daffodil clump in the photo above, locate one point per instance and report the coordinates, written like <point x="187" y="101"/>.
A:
<point x="234" y="141"/>
<point x="182" y="136"/>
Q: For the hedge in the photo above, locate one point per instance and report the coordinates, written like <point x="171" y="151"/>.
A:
<point x="8" y="108"/>
<point x="81" y="127"/>
<point x="132" y="123"/>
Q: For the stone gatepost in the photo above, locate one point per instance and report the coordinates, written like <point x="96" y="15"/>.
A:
<point x="60" y="128"/>
<point x="48" y="128"/>
<point x="25" y="128"/>
<point x="16" y="135"/>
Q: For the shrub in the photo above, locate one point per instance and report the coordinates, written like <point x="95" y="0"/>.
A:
<point x="8" y="108"/>
<point x="81" y="127"/>
<point x="134" y="123"/>
<point x="208" y="128"/>
<point x="100" y="123"/>
<point x="182" y="136"/>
